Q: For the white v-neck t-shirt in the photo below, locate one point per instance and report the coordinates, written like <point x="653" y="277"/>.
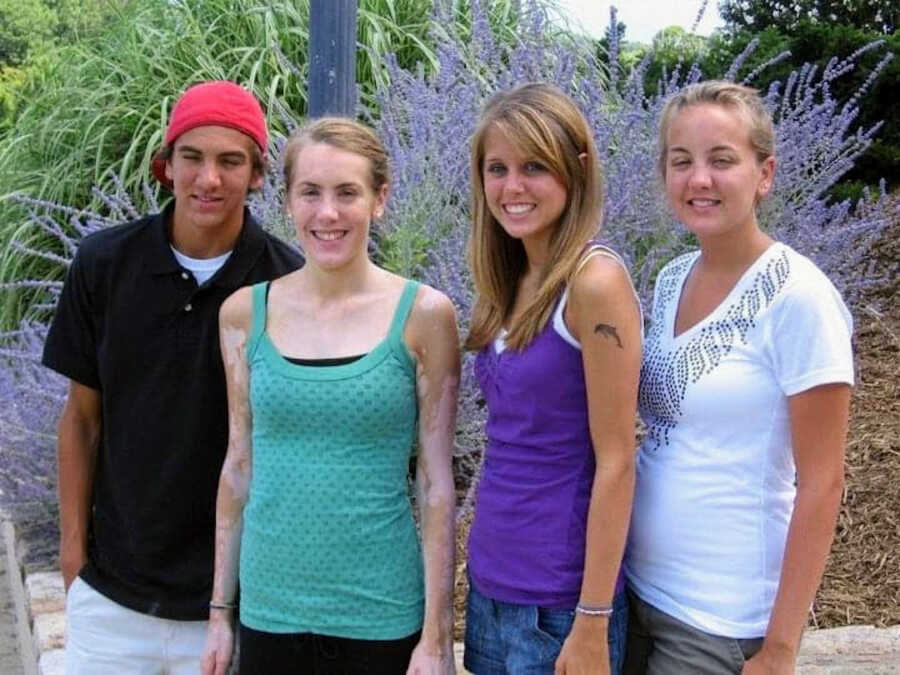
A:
<point x="715" y="473"/>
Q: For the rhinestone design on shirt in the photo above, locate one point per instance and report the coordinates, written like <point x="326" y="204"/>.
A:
<point x="668" y="369"/>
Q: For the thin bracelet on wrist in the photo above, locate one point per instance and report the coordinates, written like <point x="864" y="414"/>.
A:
<point x="221" y="605"/>
<point x="594" y="610"/>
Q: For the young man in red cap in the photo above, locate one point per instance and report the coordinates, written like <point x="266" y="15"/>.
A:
<point x="144" y="429"/>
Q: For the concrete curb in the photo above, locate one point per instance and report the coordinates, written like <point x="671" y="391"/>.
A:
<point x="47" y="602"/>
<point x="27" y="650"/>
<point x="851" y="650"/>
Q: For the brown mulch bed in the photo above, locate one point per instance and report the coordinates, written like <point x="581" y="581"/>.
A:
<point x="862" y="580"/>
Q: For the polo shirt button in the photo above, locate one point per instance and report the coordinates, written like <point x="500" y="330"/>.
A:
<point x="185" y="275"/>
<point x="188" y="307"/>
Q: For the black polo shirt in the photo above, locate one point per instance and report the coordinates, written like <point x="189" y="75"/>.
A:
<point x="133" y="324"/>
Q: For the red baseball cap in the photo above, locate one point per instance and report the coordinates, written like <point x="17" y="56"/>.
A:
<point x="220" y="103"/>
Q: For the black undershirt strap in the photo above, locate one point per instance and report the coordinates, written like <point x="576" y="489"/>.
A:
<point x="335" y="361"/>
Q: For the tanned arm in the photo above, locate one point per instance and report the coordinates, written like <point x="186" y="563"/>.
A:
<point x="78" y="438"/>
<point x="603" y="315"/>
<point x="234" y="481"/>
<point x="819" y="419"/>
<point x="432" y="337"/>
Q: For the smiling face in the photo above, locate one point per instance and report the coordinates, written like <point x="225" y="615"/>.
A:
<point x="521" y="192"/>
<point x="713" y="176"/>
<point x="332" y="203"/>
<point x="211" y="169"/>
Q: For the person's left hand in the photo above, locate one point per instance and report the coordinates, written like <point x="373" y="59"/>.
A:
<point x="768" y="662"/>
<point x="585" y="651"/>
<point x="427" y="660"/>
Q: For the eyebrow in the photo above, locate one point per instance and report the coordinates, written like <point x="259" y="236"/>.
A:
<point x="339" y="186"/>
<point x="717" y="148"/>
<point x="228" y="153"/>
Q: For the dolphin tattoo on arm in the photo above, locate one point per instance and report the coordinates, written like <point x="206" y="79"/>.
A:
<point x="608" y="331"/>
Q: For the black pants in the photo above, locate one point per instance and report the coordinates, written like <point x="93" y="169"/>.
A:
<point x="311" y="654"/>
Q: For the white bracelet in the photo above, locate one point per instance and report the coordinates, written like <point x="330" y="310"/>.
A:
<point x="594" y="610"/>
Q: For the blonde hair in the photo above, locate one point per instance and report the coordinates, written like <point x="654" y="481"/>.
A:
<point x="744" y="100"/>
<point x="343" y="134"/>
<point x="545" y="125"/>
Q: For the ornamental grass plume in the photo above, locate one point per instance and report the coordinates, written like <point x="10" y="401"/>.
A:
<point x="426" y="119"/>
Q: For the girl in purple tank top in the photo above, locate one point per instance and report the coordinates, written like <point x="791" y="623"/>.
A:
<point x="557" y="328"/>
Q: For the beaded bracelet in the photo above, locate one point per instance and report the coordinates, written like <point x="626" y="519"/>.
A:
<point x="221" y="605"/>
<point x="594" y="610"/>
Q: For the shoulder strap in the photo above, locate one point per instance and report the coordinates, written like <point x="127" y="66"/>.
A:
<point x="594" y="250"/>
<point x="258" y="320"/>
<point x="403" y="309"/>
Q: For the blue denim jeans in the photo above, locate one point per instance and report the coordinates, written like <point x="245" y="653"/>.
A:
<point x="507" y="639"/>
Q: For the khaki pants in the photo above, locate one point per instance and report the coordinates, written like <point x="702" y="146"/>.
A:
<point x="105" y="638"/>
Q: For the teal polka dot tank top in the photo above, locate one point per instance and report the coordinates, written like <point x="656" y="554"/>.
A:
<point x="329" y="543"/>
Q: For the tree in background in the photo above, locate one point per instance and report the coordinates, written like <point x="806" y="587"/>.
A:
<point x="673" y="49"/>
<point x="28" y="27"/>
<point x="30" y="30"/>
<point x="817" y="43"/>
<point x="24" y="26"/>
<point x="877" y="16"/>
<point x="765" y="40"/>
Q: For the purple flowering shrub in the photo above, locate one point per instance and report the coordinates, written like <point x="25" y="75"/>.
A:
<point x="31" y="396"/>
<point x="425" y="120"/>
<point x="30" y="400"/>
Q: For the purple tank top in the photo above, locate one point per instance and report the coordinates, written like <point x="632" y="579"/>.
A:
<point x="527" y="541"/>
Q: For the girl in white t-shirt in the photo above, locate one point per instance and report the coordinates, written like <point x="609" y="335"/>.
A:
<point x="745" y="389"/>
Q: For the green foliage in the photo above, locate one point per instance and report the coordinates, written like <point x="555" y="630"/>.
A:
<point x="91" y="112"/>
<point x="879" y="16"/>
<point x="675" y="44"/>
<point x="809" y="43"/>
<point x="771" y="42"/>
<point x="672" y="48"/>
<point x="24" y="26"/>
<point x="391" y="27"/>
<point x="29" y="33"/>
<point x="96" y="114"/>
<point x="99" y="108"/>
<point x="12" y="80"/>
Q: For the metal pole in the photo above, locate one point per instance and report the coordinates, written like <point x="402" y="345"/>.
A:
<point x="332" y="58"/>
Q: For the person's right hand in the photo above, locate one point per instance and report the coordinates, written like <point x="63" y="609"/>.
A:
<point x="71" y="560"/>
<point x="219" y="643"/>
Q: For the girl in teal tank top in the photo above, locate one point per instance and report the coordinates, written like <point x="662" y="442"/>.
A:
<point x="335" y="374"/>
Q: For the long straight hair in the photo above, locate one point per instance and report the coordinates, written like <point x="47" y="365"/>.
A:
<point x="546" y="126"/>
